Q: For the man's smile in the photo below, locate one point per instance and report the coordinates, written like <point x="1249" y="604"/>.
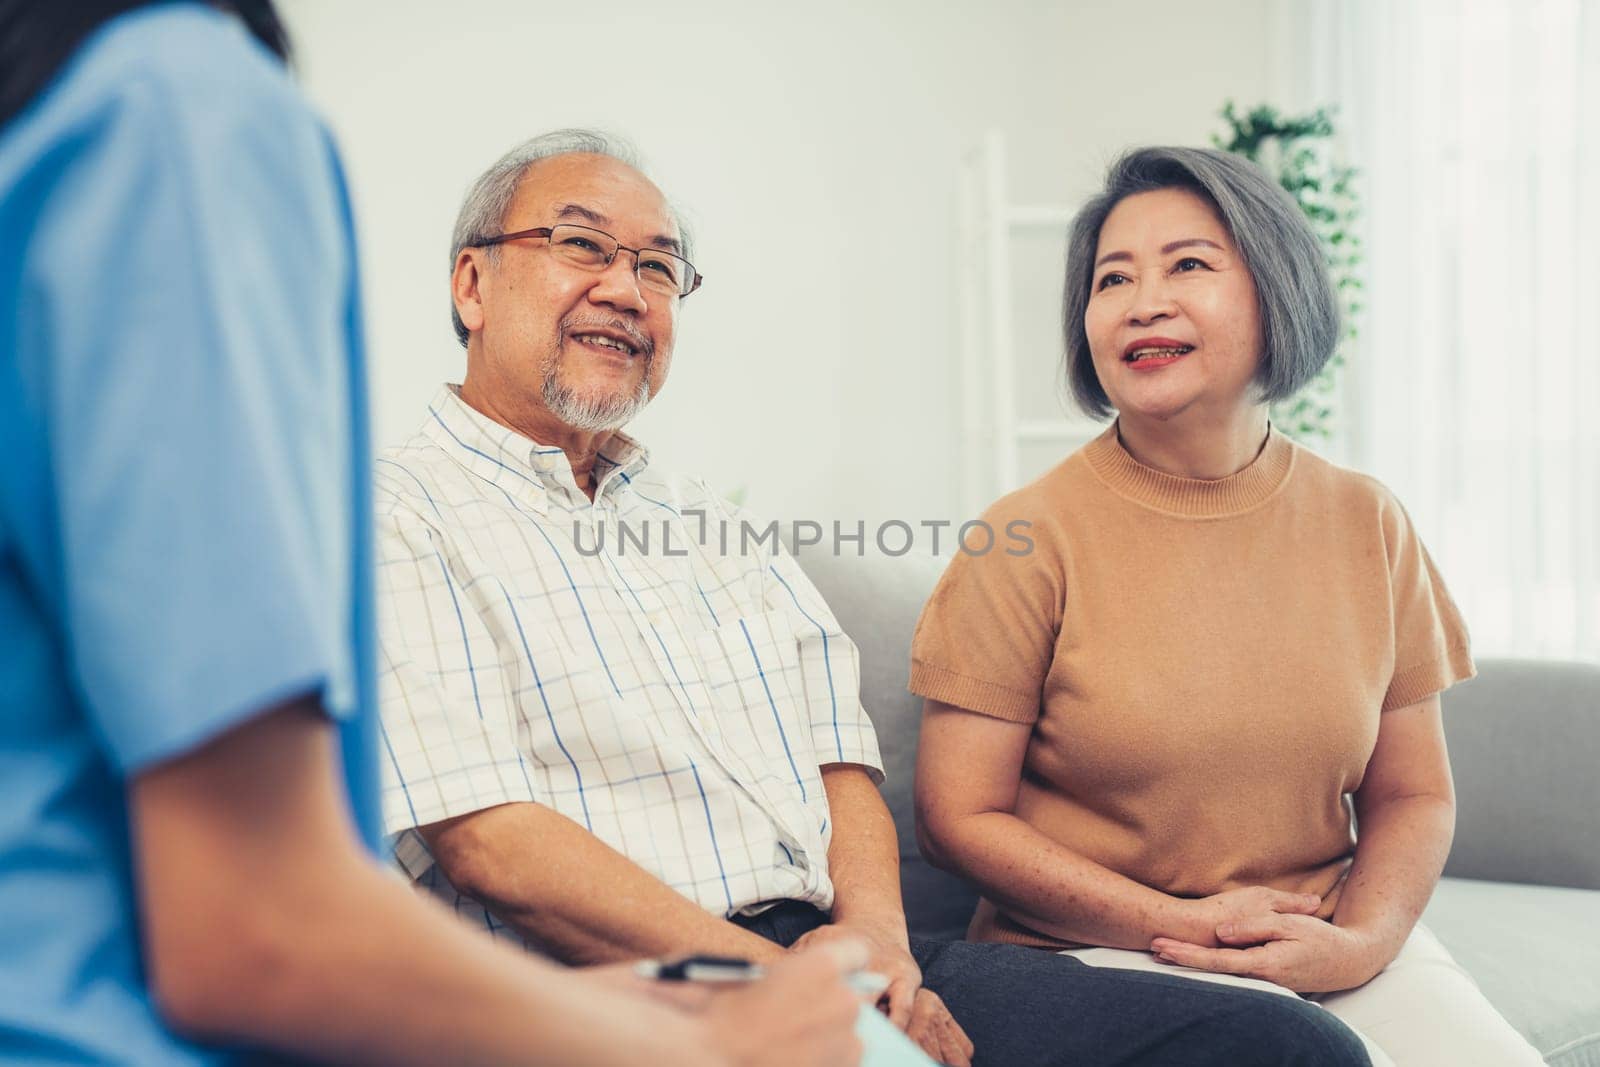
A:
<point x="607" y="339"/>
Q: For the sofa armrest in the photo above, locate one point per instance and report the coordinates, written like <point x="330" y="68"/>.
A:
<point x="1524" y="741"/>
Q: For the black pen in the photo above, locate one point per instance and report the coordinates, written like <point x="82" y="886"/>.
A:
<point x="722" y="970"/>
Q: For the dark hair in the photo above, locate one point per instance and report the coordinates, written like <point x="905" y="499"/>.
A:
<point x="37" y="37"/>
<point x="1295" y="297"/>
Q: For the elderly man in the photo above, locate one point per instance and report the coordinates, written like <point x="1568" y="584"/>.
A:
<point x="605" y="750"/>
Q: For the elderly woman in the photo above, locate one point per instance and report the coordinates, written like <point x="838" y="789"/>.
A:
<point x="1144" y="739"/>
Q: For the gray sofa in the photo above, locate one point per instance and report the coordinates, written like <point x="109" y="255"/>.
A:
<point x="1520" y="902"/>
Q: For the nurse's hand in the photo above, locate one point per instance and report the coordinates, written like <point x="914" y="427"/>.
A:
<point x="889" y="955"/>
<point x="1298" y="952"/>
<point x="802" y="1014"/>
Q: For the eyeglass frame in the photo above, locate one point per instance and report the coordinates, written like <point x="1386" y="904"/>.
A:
<point x="546" y="231"/>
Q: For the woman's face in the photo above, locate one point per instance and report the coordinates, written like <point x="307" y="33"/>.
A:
<point x="1172" y="320"/>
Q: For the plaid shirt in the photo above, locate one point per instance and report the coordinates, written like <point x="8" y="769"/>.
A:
<point x="623" y="662"/>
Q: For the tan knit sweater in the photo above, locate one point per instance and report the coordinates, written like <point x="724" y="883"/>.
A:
<point x="1204" y="663"/>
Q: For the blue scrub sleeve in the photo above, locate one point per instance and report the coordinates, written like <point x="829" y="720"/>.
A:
<point x="194" y="278"/>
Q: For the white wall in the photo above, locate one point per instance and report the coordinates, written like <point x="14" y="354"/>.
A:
<point x="815" y="149"/>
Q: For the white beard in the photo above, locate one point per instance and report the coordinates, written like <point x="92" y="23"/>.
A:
<point x="590" y="413"/>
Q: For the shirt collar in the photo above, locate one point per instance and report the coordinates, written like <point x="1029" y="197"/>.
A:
<point x="517" y="463"/>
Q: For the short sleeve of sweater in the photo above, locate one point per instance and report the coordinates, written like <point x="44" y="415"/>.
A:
<point x="987" y="635"/>
<point x="1431" y="648"/>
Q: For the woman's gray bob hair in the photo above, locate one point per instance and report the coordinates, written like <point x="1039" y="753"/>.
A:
<point x="1299" y="312"/>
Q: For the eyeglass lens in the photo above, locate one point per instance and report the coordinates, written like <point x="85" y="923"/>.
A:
<point x="594" y="250"/>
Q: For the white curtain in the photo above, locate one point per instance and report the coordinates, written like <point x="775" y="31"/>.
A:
<point x="1474" y="392"/>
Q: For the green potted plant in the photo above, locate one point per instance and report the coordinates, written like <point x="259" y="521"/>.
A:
<point x="1298" y="151"/>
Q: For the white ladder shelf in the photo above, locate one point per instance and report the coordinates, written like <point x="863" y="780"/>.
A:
<point x="993" y="433"/>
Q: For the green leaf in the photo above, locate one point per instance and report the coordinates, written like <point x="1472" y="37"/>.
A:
<point x="1326" y="191"/>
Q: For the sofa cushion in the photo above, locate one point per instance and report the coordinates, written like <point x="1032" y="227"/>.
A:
<point x="1535" y="953"/>
<point x="877" y="600"/>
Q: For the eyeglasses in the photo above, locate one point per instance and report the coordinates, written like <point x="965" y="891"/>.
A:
<point x="589" y="249"/>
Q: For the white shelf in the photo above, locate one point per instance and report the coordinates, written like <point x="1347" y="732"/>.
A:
<point x="994" y="431"/>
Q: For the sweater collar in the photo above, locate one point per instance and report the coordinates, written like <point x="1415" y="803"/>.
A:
<point x="1200" y="498"/>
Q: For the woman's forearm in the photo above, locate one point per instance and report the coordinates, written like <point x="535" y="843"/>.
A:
<point x="1400" y="852"/>
<point x="1055" y="890"/>
<point x="1405" y="819"/>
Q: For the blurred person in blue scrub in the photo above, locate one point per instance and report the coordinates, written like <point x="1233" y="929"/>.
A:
<point x="186" y="653"/>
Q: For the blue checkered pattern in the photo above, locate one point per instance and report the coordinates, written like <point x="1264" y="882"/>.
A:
<point x="673" y="696"/>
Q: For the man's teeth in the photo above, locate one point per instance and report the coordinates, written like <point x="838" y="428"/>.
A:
<point x="606" y="342"/>
<point x="1151" y="353"/>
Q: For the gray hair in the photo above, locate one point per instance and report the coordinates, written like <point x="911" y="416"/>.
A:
<point x="483" y="212"/>
<point x="1299" y="313"/>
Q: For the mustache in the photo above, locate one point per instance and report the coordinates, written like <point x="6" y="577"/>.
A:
<point x="636" y="337"/>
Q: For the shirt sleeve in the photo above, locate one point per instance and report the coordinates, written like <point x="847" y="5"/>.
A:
<point x="986" y="637"/>
<point x="1431" y="647"/>
<point x="449" y="739"/>
<point x="192" y="286"/>
<point x="830" y="667"/>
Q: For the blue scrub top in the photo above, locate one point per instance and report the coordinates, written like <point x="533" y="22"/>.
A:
<point x="183" y="483"/>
